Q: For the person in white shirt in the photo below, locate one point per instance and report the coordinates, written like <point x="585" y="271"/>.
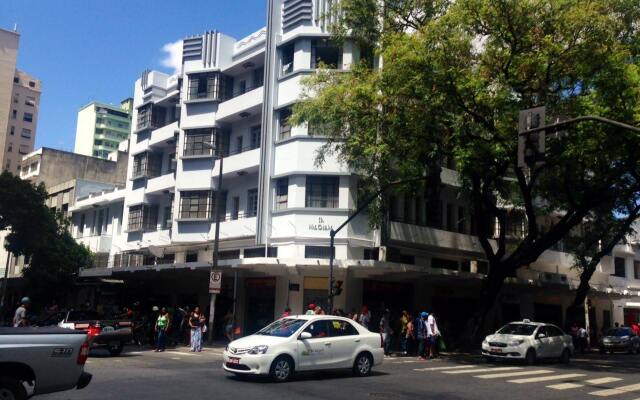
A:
<point x="432" y="335"/>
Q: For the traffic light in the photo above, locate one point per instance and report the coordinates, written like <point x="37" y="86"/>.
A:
<point x="337" y="288"/>
<point x="531" y="146"/>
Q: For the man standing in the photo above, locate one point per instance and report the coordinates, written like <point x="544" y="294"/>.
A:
<point x="582" y="339"/>
<point x="20" y="317"/>
<point x="422" y="334"/>
<point x="386" y="331"/>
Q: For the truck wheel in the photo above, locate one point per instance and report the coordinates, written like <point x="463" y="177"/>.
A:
<point x="116" y="349"/>
<point x="12" y="389"/>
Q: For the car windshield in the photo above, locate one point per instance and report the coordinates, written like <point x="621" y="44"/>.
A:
<point x="518" y="329"/>
<point x="282" y="327"/>
<point x="619" y="332"/>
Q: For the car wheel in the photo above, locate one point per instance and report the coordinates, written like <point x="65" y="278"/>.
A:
<point x="116" y="349"/>
<point x="565" y="356"/>
<point x="281" y="369"/>
<point x="530" y="357"/>
<point x="362" y="365"/>
<point x="12" y="389"/>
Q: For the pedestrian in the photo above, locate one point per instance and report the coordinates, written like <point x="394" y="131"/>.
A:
<point x="161" y="327"/>
<point x="433" y="335"/>
<point x="319" y="310"/>
<point x="582" y="339"/>
<point x="410" y="335"/>
<point x="196" y="330"/>
<point x="574" y="334"/>
<point x="422" y="335"/>
<point x="386" y="331"/>
<point x="311" y="309"/>
<point x="286" y="313"/>
<point x="365" y="317"/>
<point x="20" y="316"/>
<point x="228" y="325"/>
<point x="404" y="320"/>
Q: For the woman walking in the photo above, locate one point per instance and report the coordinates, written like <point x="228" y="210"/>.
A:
<point x="162" y="325"/>
<point x="196" y="329"/>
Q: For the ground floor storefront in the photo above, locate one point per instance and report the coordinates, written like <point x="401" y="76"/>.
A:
<point x="256" y="294"/>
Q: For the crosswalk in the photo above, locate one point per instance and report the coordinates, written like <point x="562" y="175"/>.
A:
<point x="550" y="378"/>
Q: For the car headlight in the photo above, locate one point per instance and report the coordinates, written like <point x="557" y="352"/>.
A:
<point x="516" y="342"/>
<point x="485" y="343"/>
<point x="606" y="340"/>
<point x="258" y="349"/>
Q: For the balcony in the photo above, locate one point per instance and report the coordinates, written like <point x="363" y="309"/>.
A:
<point x="97" y="244"/>
<point x="245" y="162"/>
<point x="158" y="184"/>
<point x="193" y="232"/>
<point x="163" y="135"/>
<point x="241" y="106"/>
<point x="432" y="237"/>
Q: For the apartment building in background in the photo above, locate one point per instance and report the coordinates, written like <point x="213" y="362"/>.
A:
<point x="101" y="127"/>
<point x="19" y="103"/>
<point x="227" y="113"/>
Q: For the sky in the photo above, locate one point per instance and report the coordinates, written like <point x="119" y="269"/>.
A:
<point x="85" y="50"/>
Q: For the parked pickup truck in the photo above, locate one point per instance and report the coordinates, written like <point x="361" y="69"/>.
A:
<point x="109" y="334"/>
<point x="46" y="359"/>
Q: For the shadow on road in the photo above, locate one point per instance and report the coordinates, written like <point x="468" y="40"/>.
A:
<point x="306" y="376"/>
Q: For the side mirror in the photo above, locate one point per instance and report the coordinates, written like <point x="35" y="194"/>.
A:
<point x="541" y="336"/>
<point x="305" y="336"/>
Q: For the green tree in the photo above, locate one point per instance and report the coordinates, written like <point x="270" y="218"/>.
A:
<point x="42" y="236"/>
<point x="454" y="77"/>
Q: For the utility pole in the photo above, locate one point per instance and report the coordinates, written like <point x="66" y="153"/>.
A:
<point x="217" y="197"/>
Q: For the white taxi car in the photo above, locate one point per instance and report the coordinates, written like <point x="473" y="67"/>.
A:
<point x="528" y="341"/>
<point x="305" y="343"/>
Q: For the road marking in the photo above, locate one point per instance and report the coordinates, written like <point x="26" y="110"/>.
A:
<point x="405" y="362"/>
<point x="614" y="391"/>
<point x="546" y="378"/>
<point x="600" y="381"/>
<point x="446" y="368"/>
<point x="565" y="386"/>
<point x="176" y="358"/>
<point x="510" y="374"/>
<point x="180" y="353"/>
<point x="474" y="370"/>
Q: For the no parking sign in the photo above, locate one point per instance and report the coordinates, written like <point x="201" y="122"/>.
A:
<point x="215" y="282"/>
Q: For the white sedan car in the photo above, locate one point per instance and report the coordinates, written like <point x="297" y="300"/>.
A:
<point x="305" y="343"/>
<point x="528" y="341"/>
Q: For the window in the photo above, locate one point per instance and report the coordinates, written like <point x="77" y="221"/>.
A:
<point x="327" y="53"/>
<point x="30" y="101"/>
<point x="197" y="142"/>
<point x="318" y="329"/>
<point x="26" y="133"/>
<point x="323" y="252"/>
<point x="239" y="140"/>
<point x="13" y="130"/>
<point x="372" y="253"/>
<point x="235" y="208"/>
<point x="10" y="148"/>
<point x="242" y="87"/>
<point x="636" y="269"/>
<point x="318" y="130"/>
<point x="282" y="193"/>
<point x="461" y="219"/>
<point x="286" y="59"/>
<point x="255" y="136"/>
<point x="322" y="191"/>
<point x="16" y="99"/>
<point x="168" y="217"/>
<point x="342" y="328"/>
<point x="32" y="84"/>
<point x="195" y="204"/>
<point x="444" y="264"/>
<point x="619" y="267"/>
<point x="99" y="222"/>
<point x="81" y="226"/>
<point x="14" y="114"/>
<point x="143" y="218"/>
<point x="191" y="256"/>
<point x="554" y="331"/>
<point x="258" y="77"/>
<point x="284" y="129"/>
<point x="215" y="86"/>
<point x="149" y="117"/>
<point x="252" y="203"/>
<point x="27" y="117"/>
<point x="259" y="252"/>
<point x="229" y="255"/>
<point x="146" y="165"/>
<point x="23" y="149"/>
<point x="33" y="166"/>
<point x="135" y="218"/>
<point x="16" y="79"/>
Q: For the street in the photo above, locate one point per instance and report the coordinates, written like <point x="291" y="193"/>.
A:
<point x="178" y="373"/>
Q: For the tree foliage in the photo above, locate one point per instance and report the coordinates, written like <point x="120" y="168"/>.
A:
<point x="449" y="82"/>
<point x="41" y="235"/>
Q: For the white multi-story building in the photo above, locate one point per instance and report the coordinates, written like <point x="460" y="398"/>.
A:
<point x="278" y="206"/>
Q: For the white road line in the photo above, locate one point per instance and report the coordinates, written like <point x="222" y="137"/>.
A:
<point x="618" y="390"/>
<point x="181" y="353"/>
<point x="445" y="368"/>
<point x="600" y="381"/>
<point x="474" y="370"/>
<point x="510" y="374"/>
<point x="175" y="358"/>
<point x="565" y="386"/>
<point x="546" y="378"/>
<point x="405" y="362"/>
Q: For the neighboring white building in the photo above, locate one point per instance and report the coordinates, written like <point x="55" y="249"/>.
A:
<point x="101" y="127"/>
<point x="278" y="206"/>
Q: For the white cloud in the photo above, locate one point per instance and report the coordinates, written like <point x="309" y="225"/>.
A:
<point x="173" y="56"/>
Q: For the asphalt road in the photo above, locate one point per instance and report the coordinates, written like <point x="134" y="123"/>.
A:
<point x="177" y="374"/>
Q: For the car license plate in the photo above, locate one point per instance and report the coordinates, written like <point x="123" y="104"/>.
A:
<point x="496" y="350"/>
<point x="233" y="360"/>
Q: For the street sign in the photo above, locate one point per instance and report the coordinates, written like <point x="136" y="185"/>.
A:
<point x="215" y="282"/>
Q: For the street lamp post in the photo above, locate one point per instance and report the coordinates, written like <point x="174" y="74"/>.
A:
<point x="334" y="232"/>
<point x="216" y="240"/>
